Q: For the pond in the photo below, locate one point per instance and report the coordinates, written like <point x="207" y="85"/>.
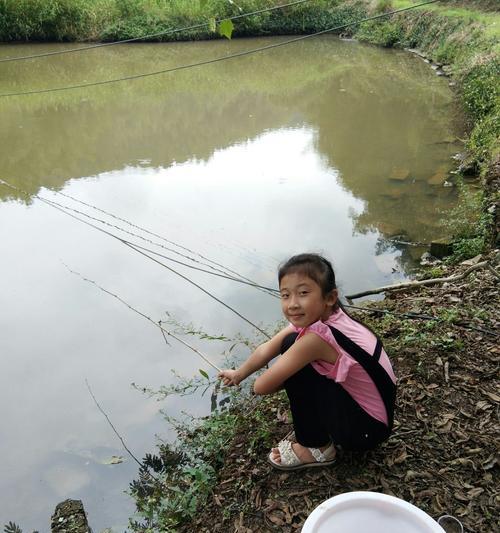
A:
<point x="324" y="145"/>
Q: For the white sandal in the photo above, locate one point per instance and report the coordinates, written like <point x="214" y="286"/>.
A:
<point x="290" y="461"/>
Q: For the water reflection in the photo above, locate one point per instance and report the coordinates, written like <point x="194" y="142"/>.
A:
<point x="382" y="118"/>
<point x="327" y="146"/>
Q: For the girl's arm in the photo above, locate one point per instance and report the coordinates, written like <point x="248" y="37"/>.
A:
<point x="257" y="360"/>
<point x="307" y="349"/>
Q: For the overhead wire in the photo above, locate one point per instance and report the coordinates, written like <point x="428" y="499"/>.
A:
<point x="217" y="59"/>
<point x="153" y="35"/>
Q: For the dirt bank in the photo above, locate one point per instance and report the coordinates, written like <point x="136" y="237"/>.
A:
<point x="442" y="456"/>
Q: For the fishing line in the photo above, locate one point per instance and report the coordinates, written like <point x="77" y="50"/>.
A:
<point x="217" y="59"/>
<point x="132" y="246"/>
<point x="153" y="35"/>
<point x="215" y="272"/>
<point x="418" y="316"/>
<point x="225" y="268"/>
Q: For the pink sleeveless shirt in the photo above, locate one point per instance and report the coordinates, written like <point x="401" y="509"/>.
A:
<point x="346" y="371"/>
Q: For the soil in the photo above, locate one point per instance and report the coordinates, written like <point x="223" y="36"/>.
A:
<point x="443" y="453"/>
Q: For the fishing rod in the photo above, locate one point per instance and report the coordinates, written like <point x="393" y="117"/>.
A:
<point x="419" y="316"/>
<point x="216" y="272"/>
<point x="54" y="205"/>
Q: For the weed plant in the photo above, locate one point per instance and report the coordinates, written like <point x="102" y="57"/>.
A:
<point x="469" y="223"/>
<point x="175" y="482"/>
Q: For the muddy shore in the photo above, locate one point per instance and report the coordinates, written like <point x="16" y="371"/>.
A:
<point x="443" y="453"/>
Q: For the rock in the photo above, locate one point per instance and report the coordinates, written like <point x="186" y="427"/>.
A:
<point x="69" y="517"/>
<point x="460" y="156"/>
<point x="416" y="52"/>
<point x="428" y="260"/>
<point x="439" y="177"/>
<point x="441" y="248"/>
<point x="468" y="168"/>
<point x="399" y="174"/>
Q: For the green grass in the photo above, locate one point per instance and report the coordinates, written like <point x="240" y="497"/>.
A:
<point x="489" y="20"/>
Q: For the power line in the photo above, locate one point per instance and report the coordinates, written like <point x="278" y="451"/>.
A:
<point x="153" y="35"/>
<point x="217" y="59"/>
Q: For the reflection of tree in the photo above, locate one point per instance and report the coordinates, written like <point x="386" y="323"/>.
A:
<point x="390" y="147"/>
<point x="377" y="114"/>
<point x="51" y="138"/>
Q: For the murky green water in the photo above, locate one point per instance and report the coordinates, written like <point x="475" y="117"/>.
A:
<point x="325" y="145"/>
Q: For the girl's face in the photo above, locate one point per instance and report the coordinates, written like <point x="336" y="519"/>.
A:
<point x="302" y="300"/>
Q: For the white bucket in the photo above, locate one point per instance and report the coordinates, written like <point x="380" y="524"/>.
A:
<point x="373" y="512"/>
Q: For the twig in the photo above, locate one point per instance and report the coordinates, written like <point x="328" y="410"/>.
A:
<point x="413" y="284"/>
<point x="204" y="357"/>
<point x="493" y="270"/>
<point x="112" y="426"/>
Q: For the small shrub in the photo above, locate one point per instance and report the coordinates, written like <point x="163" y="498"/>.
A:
<point x="386" y="33"/>
<point x="481" y="89"/>
<point x="383" y="6"/>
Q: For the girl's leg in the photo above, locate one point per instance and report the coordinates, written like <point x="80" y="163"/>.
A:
<point x="350" y="425"/>
<point x="310" y="430"/>
<point x="323" y="411"/>
<point x="307" y="408"/>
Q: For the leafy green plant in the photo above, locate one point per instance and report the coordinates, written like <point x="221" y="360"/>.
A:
<point x="469" y="224"/>
<point x="480" y="88"/>
<point x="382" y="6"/>
<point x="12" y="527"/>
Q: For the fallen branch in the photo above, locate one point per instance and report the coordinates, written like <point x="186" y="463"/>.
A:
<point x="413" y="284"/>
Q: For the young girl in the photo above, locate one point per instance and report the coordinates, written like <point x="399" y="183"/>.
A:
<point x="338" y="378"/>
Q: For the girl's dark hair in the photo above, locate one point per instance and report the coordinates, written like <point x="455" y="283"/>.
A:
<point x="313" y="266"/>
<point x="320" y="270"/>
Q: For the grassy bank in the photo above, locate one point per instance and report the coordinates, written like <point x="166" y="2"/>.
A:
<point x="441" y="456"/>
<point x="104" y="20"/>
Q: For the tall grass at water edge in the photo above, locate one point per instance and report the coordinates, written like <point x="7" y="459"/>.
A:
<point x="104" y="20"/>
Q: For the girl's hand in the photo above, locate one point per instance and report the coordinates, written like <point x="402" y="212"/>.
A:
<point x="230" y="377"/>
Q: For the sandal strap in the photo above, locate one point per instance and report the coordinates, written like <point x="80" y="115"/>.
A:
<point x="288" y="456"/>
<point x="317" y="454"/>
<point x="320" y="456"/>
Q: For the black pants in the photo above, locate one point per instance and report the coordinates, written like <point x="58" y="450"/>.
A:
<point x="323" y="412"/>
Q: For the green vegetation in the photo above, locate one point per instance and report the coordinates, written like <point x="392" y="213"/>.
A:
<point x="470" y="223"/>
<point x="104" y="20"/>
<point x="174" y="483"/>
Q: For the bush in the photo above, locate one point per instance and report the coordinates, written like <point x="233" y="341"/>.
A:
<point x="481" y="89"/>
<point x="386" y="33"/>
